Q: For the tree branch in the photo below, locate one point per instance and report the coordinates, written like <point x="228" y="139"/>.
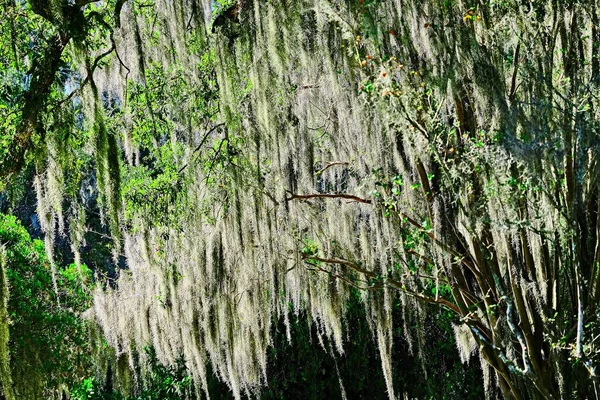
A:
<point x="387" y="280"/>
<point x="513" y="84"/>
<point x="331" y="164"/>
<point x="42" y="72"/>
<point x="294" y="196"/>
<point x="204" y="138"/>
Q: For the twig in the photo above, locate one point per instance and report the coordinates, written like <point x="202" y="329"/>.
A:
<point x="414" y="123"/>
<point x="392" y="282"/>
<point x="331" y="164"/>
<point x="310" y="86"/>
<point x="89" y="75"/>
<point x="214" y="160"/>
<point x="316" y="268"/>
<point x="204" y="139"/>
<point x="439" y="242"/>
<point x="347" y="263"/>
<point x="513" y="85"/>
<point x="97" y="60"/>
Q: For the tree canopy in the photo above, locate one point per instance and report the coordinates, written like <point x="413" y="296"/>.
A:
<point x="228" y="169"/>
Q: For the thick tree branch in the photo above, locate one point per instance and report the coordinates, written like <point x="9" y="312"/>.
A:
<point x="117" y="13"/>
<point x="42" y="72"/>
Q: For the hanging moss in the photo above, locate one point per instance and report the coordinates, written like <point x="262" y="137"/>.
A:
<point x="404" y="149"/>
<point x="108" y="176"/>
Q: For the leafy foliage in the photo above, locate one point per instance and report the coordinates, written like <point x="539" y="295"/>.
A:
<point x="162" y="383"/>
<point x="48" y="338"/>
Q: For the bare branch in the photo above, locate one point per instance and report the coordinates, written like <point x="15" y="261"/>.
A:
<point x="513" y="85"/>
<point x="294" y="196"/>
<point x="204" y="138"/>
<point x="387" y="280"/>
<point x="331" y="164"/>
<point x="309" y="86"/>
